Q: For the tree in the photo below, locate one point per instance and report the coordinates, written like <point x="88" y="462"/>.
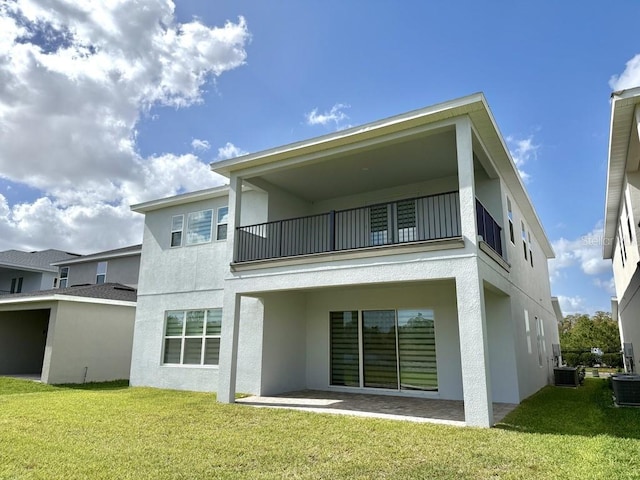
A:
<point x="584" y="332"/>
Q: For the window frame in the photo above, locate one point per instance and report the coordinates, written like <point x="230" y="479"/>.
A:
<point x="183" y="337"/>
<point x="219" y="223"/>
<point x="510" y="219"/>
<point x="16" y="285"/>
<point x="174" y="230"/>
<point x="64" y="277"/>
<point x="103" y="274"/>
<point x="524" y="239"/>
<point x="188" y="229"/>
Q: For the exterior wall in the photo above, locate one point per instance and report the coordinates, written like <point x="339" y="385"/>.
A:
<point x="184" y="278"/>
<point x="22" y="341"/>
<point x="629" y="317"/>
<point x="624" y="269"/>
<point x="88" y="342"/>
<point x="123" y="270"/>
<point x="31" y="281"/>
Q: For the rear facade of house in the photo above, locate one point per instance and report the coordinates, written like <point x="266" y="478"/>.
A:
<point x="622" y="217"/>
<point x="402" y="257"/>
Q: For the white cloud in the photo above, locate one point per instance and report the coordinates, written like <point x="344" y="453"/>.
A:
<point x="571" y="305"/>
<point x="75" y="79"/>
<point x="200" y="145"/>
<point x="608" y="285"/>
<point x="584" y="252"/>
<point x="229" y="151"/>
<point x="335" y="116"/>
<point x="522" y="151"/>
<point x="629" y="78"/>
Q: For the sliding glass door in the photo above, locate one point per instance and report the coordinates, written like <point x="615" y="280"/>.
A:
<point x="391" y="349"/>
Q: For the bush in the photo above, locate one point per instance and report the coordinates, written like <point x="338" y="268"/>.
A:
<point x="613" y="360"/>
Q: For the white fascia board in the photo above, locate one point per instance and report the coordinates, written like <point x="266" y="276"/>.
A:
<point x="17" y="266"/>
<point x="351" y="135"/>
<point x="66" y="298"/>
<point x="623" y="109"/>
<point x="556" y="308"/>
<point x="181" y="199"/>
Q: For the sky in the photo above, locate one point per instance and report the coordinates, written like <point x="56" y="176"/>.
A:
<point x="113" y="104"/>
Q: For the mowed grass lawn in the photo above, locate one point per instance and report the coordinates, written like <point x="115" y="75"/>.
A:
<point x="111" y="431"/>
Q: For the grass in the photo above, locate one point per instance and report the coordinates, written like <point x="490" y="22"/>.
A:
<point x="105" y="432"/>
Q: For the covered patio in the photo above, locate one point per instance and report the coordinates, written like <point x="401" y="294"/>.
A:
<point x="421" y="410"/>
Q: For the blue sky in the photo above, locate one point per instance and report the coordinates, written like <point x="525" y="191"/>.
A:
<point x="114" y="105"/>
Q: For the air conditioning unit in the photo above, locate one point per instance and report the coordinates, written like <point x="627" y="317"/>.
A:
<point x="566" y="376"/>
<point x="626" y="389"/>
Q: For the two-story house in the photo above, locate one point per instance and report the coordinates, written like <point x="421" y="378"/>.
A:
<point x="79" y="328"/>
<point x="401" y="257"/>
<point x="622" y="216"/>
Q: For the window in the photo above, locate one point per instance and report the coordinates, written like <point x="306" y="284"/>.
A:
<point x="510" y="215"/>
<point x="192" y="337"/>
<point x="379" y="221"/>
<point x="530" y="249"/>
<point x="524" y="239"/>
<point x="628" y="216"/>
<point x="223" y="219"/>
<point x="390" y="349"/>
<point x="542" y="348"/>
<point x="16" y="284"/>
<point x="406" y="218"/>
<point x="64" y="277"/>
<point x="623" y="246"/>
<point x="527" y="329"/>
<point x="177" y="225"/>
<point x="199" y="227"/>
<point x="101" y="273"/>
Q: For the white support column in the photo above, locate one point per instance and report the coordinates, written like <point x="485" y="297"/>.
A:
<point x="228" y="363"/>
<point x="472" y="324"/>
<point x="235" y="210"/>
<point x="466" y="185"/>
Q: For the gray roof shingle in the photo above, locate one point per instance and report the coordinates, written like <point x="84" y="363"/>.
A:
<point x="41" y="260"/>
<point x="105" y="291"/>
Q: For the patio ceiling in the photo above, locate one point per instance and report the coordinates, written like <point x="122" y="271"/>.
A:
<point x="427" y="156"/>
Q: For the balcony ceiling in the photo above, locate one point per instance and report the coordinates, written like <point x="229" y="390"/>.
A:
<point x="421" y="158"/>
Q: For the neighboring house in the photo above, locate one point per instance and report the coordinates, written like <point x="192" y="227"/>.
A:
<point x="402" y="257"/>
<point x="121" y="265"/>
<point x="68" y="335"/>
<point x="29" y="271"/>
<point x="622" y="214"/>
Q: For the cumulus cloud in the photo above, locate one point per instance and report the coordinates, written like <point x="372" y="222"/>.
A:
<point x="629" y="78"/>
<point x="571" y="305"/>
<point x="75" y="80"/>
<point x="607" y="285"/>
<point x="334" y="116"/>
<point x="522" y="151"/>
<point x="200" y="145"/>
<point x="229" y="151"/>
<point x="584" y="252"/>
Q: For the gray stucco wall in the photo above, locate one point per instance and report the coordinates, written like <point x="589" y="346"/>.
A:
<point x="123" y="270"/>
<point x="22" y="341"/>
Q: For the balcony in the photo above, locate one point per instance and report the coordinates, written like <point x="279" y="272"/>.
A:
<point x="434" y="217"/>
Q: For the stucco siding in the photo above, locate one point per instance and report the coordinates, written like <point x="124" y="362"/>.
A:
<point x="119" y="270"/>
<point x="89" y="342"/>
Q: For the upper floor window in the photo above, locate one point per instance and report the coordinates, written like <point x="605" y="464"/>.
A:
<point x="378" y="219"/>
<point x="510" y="215"/>
<point x="64" y="277"/>
<point x="16" y="285"/>
<point x="177" y="225"/>
<point x="524" y="239"/>
<point x="530" y="249"/>
<point x="199" y="227"/>
<point x="101" y="272"/>
<point x="223" y="220"/>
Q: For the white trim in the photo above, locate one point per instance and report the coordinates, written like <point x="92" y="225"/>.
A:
<point x="99" y="257"/>
<point x="67" y="298"/>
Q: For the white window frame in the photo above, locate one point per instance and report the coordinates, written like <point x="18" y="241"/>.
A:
<point x="219" y="223"/>
<point x="512" y="236"/>
<point x="524" y="239"/>
<point x="175" y="230"/>
<point x="64" y="277"/>
<point x="540" y="341"/>
<point x="191" y="215"/>
<point x="101" y="274"/>
<point x="183" y="337"/>
<point x="527" y="328"/>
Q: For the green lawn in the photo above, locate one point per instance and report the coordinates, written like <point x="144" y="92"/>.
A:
<point x="111" y="431"/>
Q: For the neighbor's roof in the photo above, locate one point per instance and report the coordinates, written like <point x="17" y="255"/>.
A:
<point x="41" y="261"/>
<point x="475" y="106"/>
<point x="106" y="255"/>
<point x="105" y="291"/>
<point x="623" y="107"/>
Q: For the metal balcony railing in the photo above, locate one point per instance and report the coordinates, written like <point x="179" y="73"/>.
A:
<point x="488" y="228"/>
<point x="432" y="217"/>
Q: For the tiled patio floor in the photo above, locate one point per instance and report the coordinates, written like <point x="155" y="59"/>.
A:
<point x="449" y="412"/>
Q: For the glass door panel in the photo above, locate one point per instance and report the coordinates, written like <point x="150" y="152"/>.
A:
<point x="417" y="350"/>
<point x="379" y="349"/>
<point x="345" y="358"/>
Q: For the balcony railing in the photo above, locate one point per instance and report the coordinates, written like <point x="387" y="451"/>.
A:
<point x="434" y="217"/>
<point x="488" y="228"/>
